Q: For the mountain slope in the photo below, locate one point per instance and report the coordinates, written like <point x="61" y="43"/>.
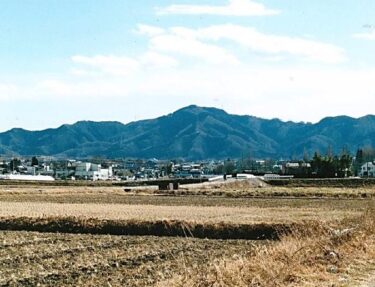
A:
<point x="194" y="133"/>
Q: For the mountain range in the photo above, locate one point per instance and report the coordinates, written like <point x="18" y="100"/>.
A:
<point x="193" y="133"/>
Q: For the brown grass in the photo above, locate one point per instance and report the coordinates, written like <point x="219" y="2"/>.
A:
<point x="97" y="195"/>
<point x="242" y="190"/>
<point x="331" y="244"/>
<point x="46" y="259"/>
<point x="235" y="189"/>
<point x="194" y="214"/>
<point x="175" y="228"/>
<point x="342" y="254"/>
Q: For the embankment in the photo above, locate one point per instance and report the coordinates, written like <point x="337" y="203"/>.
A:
<point x="257" y="231"/>
<point x="324" y="182"/>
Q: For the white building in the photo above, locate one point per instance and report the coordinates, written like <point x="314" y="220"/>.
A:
<point x="27" y="177"/>
<point x="91" y="171"/>
<point x="367" y="170"/>
<point x="31" y="170"/>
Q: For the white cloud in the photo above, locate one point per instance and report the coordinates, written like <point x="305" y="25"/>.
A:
<point x="120" y="65"/>
<point x="233" y="8"/>
<point x="207" y="44"/>
<point x="367" y="36"/>
<point x="293" y="93"/>
<point x="178" y="43"/>
<point x="290" y="93"/>
<point x="84" y="89"/>
<point x="184" y="42"/>
<point x="157" y="60"/>
<point x="7" y="91"/>
<point x="113" y="65"/>
<point x="272" y="44"/>
<point x="55" y="87"/>
<point x="149" y="30"/>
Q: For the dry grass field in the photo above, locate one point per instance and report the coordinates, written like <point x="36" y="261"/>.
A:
<point x="234" y="189"/>
<point x="313" y="256"/>
<point x="325" y="236"/>
<point x="194" y="214"/>
<point x="29" y="258"/>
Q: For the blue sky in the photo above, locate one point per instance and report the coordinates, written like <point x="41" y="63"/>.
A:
<point x="64" y="61"/>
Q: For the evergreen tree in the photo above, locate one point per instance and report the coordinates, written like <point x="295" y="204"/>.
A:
<point x="14" y="164"/>
<point x="34" y="161"/>
<point x="359" y="160"/>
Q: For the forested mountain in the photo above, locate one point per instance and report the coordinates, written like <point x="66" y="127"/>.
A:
<point x="193" y="133"/>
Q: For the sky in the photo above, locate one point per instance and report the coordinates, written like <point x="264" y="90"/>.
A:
<point x="62" y="61"/>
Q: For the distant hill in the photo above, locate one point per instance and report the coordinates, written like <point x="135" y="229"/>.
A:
<point x="193" y="133"/>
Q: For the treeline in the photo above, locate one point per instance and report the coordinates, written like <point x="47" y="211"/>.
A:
<point x="341" y="165"/>
<point x="331" y="165"/>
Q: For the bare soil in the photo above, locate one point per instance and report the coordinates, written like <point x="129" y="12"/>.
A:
<point x="30" y="258"/>
<point x="316" y="252"/>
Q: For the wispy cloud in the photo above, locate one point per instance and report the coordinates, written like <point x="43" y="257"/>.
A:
<point x="7" y="91"/>
<point x="81" y="89"/>
<point x="121" y="66"/>
<point x="241" y="89"/>
<point x="177" y="43"/>
<point x="367" y="36"/>
<point x="184" y="42"/>
<point x="152" y="59"/>
<point x="114" y="65"/>
<point x="149" y="30"/>
<point x="274" y="44"/>
<point x="233" y="8"/>
<point x="207" y="44"/>
<point x="295" y="92"/>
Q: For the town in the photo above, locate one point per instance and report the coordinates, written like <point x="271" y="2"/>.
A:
<point x="49" y="168"/>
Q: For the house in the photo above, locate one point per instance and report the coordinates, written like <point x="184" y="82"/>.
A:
<point x="297" y="169"/>
<point x="187" y="170"/>
<point x="64" y="169"/>
<point x="92" y="171"/>
<point x="367" y="170"/>
<point x="46" y="170"/>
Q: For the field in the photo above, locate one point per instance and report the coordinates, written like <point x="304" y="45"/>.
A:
<point x="29" y="258"/>
<point x="90" y="236"/>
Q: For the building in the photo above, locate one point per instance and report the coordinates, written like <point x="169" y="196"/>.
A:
<point x="91" y="171"/>
<point x="26" y="177"/>
<point x="297" y="169"/>
<point x="367" y="170"/>
<point x="187" y="170"/>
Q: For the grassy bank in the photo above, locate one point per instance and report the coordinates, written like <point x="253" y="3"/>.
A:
<point x="342" y="254"/>
<point x="175" y="228"/>
<point x="324" y="182"/>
